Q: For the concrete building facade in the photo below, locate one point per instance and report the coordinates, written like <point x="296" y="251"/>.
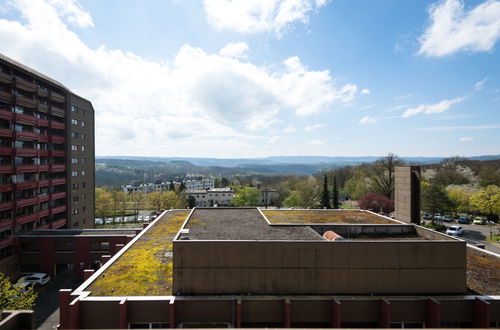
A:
<point x="212" y="197"/>
<point x="407" y="193"/>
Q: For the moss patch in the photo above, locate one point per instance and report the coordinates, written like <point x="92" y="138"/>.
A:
<point x="145" y="269"/>
<point x="324" y="216"/>
<point x="483" y="272"/>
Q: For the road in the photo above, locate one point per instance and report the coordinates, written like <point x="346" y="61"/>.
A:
<point x="476" y="234"/>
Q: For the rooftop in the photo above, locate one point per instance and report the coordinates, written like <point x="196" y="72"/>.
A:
<point x="325" y="216"/>
<point x="81" y="232"/>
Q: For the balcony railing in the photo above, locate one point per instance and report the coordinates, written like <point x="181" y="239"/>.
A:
<point x="57" y="97"/>
<point x="43" y="153"/>
<point x="57" y="153"/>
<point x="5" y="132"/>
<point x="59" y="209"/>
<point x="57" y="111"/>
<point x="26" y="119"/>
<point x="6" y="205"/>
<point x="43" y="213"/>
<point x="6" y="187"/>
<point x="42" y="92"/>
<point x="6" y="223"/>
<point x="25" y="85"/>
<point x="58" y="195"/>
<point x="6" y="151"/>
<point x="6" y="169"/>
<point x="4" y="95"/>
<point x="24" y="152"/>
<point x="26" y="218"/>
<point x="43" y="122"/>
<point x="57" y="125"/>
<point x="58" y="224"/>
<point x="43" y="183"/>
<point x="26" y="136"/>
<point x="25" y="102"/>
<point x="27" y="185"/>
<point x="57" y="139"/>
<point x="5" y="78"/>
<point x="26" y="168"/>
<point x="27" y="202"/>
<point x="58" y="168"/>
<point x="43" y="107"/>
<point x="43" y="138"/>
<point x="43" y="168"/>
<point x="6" y="242"/>
<point x="43" y="198"/>
<point x="4" y="114"/>
<point x="56" y="182"/>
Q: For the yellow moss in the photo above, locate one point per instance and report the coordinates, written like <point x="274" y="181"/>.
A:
<point x="323" y="216"/>
<point x="143" y="269"/>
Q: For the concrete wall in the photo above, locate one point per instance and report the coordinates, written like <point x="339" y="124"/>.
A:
<point x="9" y="267"/>
<point x="319" y="267"/>
<point x="407" y="193"/>
<point x="20" y="319"/>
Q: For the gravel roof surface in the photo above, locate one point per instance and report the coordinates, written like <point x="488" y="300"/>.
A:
<point x="483" y="272"/>
<point x="324" y="216"/>
<point x="242" y="224"/>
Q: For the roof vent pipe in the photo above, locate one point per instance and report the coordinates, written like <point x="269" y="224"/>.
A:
<point x="332" y="236"/>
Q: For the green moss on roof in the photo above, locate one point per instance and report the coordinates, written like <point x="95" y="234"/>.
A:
<point x="483" y="272"/>
<point x="144" y="269"/>
<point x="324" y="216"/>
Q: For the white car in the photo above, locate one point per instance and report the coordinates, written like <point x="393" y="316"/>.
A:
<point x="37" y="279"/>
<point x="454" y="231"/>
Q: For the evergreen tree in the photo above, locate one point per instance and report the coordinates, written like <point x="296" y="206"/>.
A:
<point x="182" y="187"/>
<point x="325" y="198"/>
<point x="336" y="203"/>
<point x="172" y="186"/>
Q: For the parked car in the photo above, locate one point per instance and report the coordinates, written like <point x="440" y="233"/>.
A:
<point x="98" y="221"/>
<point x="147" y="217"/>
<point x="427" y="216"/>
<point x="454" y="231"/>
<point x="37" y="279"/>
<point x="478" y="221"/>
<point x="464" y="219"/>
<point x="447" y="218"/>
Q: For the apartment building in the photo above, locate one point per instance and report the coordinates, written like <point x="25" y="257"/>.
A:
<point x="146" y="188"/>
<point x="46" y="156"/>
<point x="199" y="183"/>
<point x="212" y="197"/>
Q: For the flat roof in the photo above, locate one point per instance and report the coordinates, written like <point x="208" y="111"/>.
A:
<point x="325" y="216"/>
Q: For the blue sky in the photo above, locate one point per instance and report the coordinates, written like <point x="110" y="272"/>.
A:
<point x="253" y="78"/>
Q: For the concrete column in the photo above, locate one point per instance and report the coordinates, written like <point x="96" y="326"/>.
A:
<point x="123" y="314"/>
<point x="481" y="313"/>
<point x="433" y="318"/>
<point x="74" y="314"/>
<point x="238" y="314"/>
<point x="288" y="314"/>
<point x="384" y="314"/>
<point x="87" y="273"/>
<point x="64" y="300"/>
<point x="82" y="254"/>
<point x="171" y="313"/>
<point x="336" y="318"/>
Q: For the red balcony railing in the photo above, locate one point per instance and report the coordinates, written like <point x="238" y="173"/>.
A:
<point x="26" y="136"/>
<point x="6" y="205"/>
<point x="58" y="224"/>
<point x="43" y="213"/>
<point x="6" y="169"/>
<point x="6" y="223"/>
<point x="57" y="125"/>
<point x="58" y="168"/>
<point x="8" y="133"/>
<point x="57" y="111"/>
<point x="5" y="78"/>
<point x="25" y="85"/>
<point x="43" y="198"/>
<point x="6" y="151"/>
<point x="43" y="153"/>
<point x="6" y="242"/>
<point x="27" y="119"/>
<point x="6" y="187"/>
<point x="43" y="138"/>
<point x="43" y="107"/>
<point x="43" y="183"/>
<point x="27" y="202"/>
<point x="27" y="185"/>
<point x="25" y="152"/>
<point x="57" y="97"/>
<point x="58" y="195"/>
<point x="57" y="153"/>
<point x="5" y="95"/>
<point x="43" y="168"/>
<point x="47" y="226"/>
<point x="25" y="102"/>
<point x="43" y="122"/>
<point x="42" y="91"/>
<point x="56" y="182"/>
<point x="26" y="218"/>
<point x="4" y="114"/>
<point x="26" y="168"/>
<point x="59" y="209"/>
<point x="57" y="139"/>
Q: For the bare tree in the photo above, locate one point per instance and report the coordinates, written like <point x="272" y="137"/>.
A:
<point x="383" y="174"/>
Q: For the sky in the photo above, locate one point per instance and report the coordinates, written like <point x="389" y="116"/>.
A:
<point x="257" y="78"/>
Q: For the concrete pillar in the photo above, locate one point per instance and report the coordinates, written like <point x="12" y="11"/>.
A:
<point x="74" y="314"/>
<point x="433" y="317"/>
<point x="384" y="320"/>
<point x="47" y="255"/>
<point x="82" y="255"/>
<point x="481" y="313"/>
<point x="288" y="314"/>
<point x="238" y="314"/>
<point x="123" y="314"/>
<point x="64" y="300"/>
<point x="105" y="258"/>
<point x="171" y="313"/>
<point x="336" y="317"/>
<point x="87" y="273"/>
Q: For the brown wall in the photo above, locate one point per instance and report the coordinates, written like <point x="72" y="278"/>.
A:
<point x="9" y="267"/>
<point x="354" y="267"/>
<point x="99" y="314"/>
<point x="407" y="193"/>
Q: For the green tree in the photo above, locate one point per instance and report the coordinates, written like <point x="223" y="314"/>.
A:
<point x="247" y="196"/>
<point x="155" y="200"/>
<point x="182" y="187"/>
<point x="103" y="203"/>
<point x="383" y="174"/>
<point x="172" y="186"/>
<point x="14" y="297"/>
<point x="191" y="201"/>
<point x="293" y="200"/>
<point x="325" y="196"/>
<point x="137" y="199"/>
<point x="487" y="201"/>
<point x="309" y="191"/>
<point x="336" y="203"/>
<point x="435" y="199"/>
<point x="460" y="200"/>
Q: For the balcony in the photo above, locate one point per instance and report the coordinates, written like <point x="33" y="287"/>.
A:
<point x="59" y="209"/>
<point x="57" y="168"/>
<point x="24" y="152"/>
<point x="27" y="185"/>
<point x="43" y="168"/>
<point x="6" y="242"/>
<point x="26" y="168"/>
<point x="27" y="202"/>
<point x="57" y="125"/>
<point x="4" y="114"/>
<point x="58" y="224"/>
<point x="26" y="136"/>
<point x="5" y="95"/>
<point x="6" y="205"/>
<point x="43" y="183"/>
<point x="43" y="122"/>
<point x="6" y="151"/>
<point x="43" y="92"/>
<point x="6" y="224"/>
<point x="57" y="111"/>
<point x="6" y="187"/>
<point x="58" y="195"/>
<point x="25" y="119"/>
<point x="57" y="97"/>
<point x="5" y="78"/>
<point x="43" y="107"/>
<point x="25" y="102"/>
<point x="43" y="153"/>
<point x="43" y="198"/>
<point x="26" y="218"/>
<point x="57" y="153"/>
<point x="25" y="85"/>
<point x="5" y="132"/>
<point x="56" y="182"/>
<point x="44" y="213"/>
<point x="57" y="139"/>
<point x="43" y="138"/>
<point x="6" y="169"/>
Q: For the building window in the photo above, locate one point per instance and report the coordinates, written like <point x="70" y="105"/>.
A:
<point x="82" y="123"/>
<point x="74" y="109"/>
<point x="75" y="185"/>
<point x="83" y="148"/>
<point x="82" y="160"/>
<point x="82" y="136"/>
<point x="74" y="160"/>
<point x="75" y="211"/>
<point x="83" y="184"/>
<point x="74" y="173"/>
<point x="74" y="147"/>
<point x="74" y="135"/>
<point x="83" y="172"/>
<point x="74" y="122"/>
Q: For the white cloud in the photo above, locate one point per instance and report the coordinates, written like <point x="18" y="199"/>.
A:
<point x="314" y="127"/>
<point x="73" y="12"/>
<point x="465" y="139"/>
<point x="158" y="107"/>
<point x="367" y="120"/>
<point x="236" y="50"/>
<point x="404" y="96"/>
<point x="254" y="16"/>
<point x="274" y="139"/>
<point x="459" y="128"/>
<point x="480" y="84"/>
<point x="317" y="142"/>
<point x="430" y="109"/>
<point x="290" y="129"/>
<point x="365" y="91"/>
<point x="453" y="29"/>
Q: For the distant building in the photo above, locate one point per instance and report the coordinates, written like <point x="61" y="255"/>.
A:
<point x="199" y="183"/>
<point x="146" y="187"/>
<point x="211" y="197"/>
